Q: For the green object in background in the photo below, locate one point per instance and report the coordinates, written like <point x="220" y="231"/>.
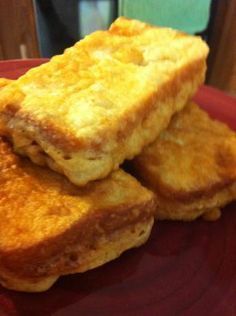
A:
<point x="190" y="16"/>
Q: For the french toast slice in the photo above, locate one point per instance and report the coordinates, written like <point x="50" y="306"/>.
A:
<point x="4" y="82"/>
<point x="86" y="111"/>
<point x="50" y="227"/>
<point x="191" y="166"/>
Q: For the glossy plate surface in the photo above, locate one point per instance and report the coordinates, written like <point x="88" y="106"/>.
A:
<point x="184" y="268"/>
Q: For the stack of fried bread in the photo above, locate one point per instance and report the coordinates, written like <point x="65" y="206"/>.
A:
<point x="86" y="111"/>
<point x="115" y="95"/>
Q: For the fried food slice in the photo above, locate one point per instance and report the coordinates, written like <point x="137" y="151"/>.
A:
<point x="86" y="111"/>
<point x="49" y="227"/>
<point x="191" y="166"/>
<point x="4" y="82"/>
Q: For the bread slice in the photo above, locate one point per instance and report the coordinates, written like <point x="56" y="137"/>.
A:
<point x="4" y="82"/>
<point x="86" y="111"/>
<point x="49" y="227"/>
<point x="191" y="166"/>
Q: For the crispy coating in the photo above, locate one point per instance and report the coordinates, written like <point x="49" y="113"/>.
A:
<point x="49" y="227"/>
<point x="4" y="82"/>
<point x="104" y="99"/>
<point x="191" y="166"/>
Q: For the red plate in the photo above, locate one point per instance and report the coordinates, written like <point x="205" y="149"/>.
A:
<point x="184" y="268"/>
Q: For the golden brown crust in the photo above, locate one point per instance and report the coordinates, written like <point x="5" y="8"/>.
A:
<point x="4" y="82"/>
<point x="191" y="166"/>
<point x="44" y="218"/>
<point x="104" y="112"/>
<point x="212" y="215"/>
<point x="16" y="283"/>
<point x="3" y="122"/>
<point x="207" y="207"/>
<point x="105" y="249"/>
<point x="66" y="141"/>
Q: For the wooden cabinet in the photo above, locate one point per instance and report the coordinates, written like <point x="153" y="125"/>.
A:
<point x="222" y="41"/>
<point x="18" y="37"/>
